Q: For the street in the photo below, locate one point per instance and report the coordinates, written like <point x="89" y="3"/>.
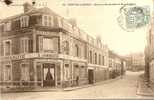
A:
<point x="125" y="87"/>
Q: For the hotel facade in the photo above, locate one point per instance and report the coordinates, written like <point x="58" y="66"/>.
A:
<point x="42" y="49"/>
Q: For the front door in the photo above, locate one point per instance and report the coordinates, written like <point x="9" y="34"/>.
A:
<point x="48" y="74"/>
<point x="91" y="76"/>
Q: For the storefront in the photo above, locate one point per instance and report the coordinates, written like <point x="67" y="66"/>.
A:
<point x="36" y="71"/>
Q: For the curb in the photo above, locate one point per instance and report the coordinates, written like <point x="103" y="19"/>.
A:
<point x="139" y="92"/>
<point x="90" y="85"/>
<point x="63" y="89"/>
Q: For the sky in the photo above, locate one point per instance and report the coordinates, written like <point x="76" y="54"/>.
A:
<point x="95" y="20"/>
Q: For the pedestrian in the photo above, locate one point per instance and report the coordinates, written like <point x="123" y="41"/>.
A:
<point x="77" y="80"/>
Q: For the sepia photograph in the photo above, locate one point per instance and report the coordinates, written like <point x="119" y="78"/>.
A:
<point x="76" y="49"/>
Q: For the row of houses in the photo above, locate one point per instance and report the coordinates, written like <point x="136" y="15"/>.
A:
<point x="135" y="61"/>
<point x="149" y="53"/>
<point x="117" y="65"/>
<point x="39" y="48"/>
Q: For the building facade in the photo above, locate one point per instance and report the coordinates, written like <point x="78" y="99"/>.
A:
<point x="117" y="65"/>
<point x="40" y="48"/>
<point x="136" y="61"/>
<point x="149" y="53"/>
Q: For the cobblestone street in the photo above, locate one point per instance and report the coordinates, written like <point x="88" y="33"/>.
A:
<point x="125" y="87"/>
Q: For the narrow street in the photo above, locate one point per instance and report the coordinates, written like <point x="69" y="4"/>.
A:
<point x="125" y="87"/>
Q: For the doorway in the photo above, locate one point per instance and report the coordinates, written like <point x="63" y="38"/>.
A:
<point x="48" y="74"/>
<point x="91" y="76"/>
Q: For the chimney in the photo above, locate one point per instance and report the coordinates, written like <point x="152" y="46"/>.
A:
<point x="27" y="7"/>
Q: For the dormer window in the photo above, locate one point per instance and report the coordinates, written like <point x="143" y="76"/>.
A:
<point x="59" y="22"/>
<point x="47" y="20"/>
<point x="7" y="26"/>
<point x="24" y="21"/>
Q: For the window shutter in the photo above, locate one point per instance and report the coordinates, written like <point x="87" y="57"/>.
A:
<point x="30" y="45"/>
<point x="2" y="50"/>
<point x="40" y="38"/>
<point x="21" y="45"/>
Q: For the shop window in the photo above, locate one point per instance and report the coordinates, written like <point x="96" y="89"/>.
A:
<point x="7" y="47"/>
<point x="66" y="72"/>
<point x="66" y="47"/>
<point x="49" y="73"/>
<point x="47" y="20"/>
<point x="24" y="21"/>
<point x="39" y="72"/>
<point x="24" y="45"/>
<point x="24" y="72"/>
<point x="7" y="73"/>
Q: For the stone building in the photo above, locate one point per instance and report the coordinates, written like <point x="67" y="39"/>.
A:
<point x="117" y="64"/>
<point x="40" y="48"/>
<point x="149" y="53"/>
<point x="135" y="61"/>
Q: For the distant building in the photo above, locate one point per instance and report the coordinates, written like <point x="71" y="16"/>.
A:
<point x="40" y="48"/>
<point x="117" y="64"/>
<point x="136" y="61"/>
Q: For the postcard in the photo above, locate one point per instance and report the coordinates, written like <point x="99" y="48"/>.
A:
<point x="76" y="49"/>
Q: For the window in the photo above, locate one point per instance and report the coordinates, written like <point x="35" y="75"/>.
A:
<point x="66" y="47"/>
<point x="24" y="72"/>
<point x="48" y="44"/>
<point x="7" y="47"/>
<point x="67" y="26"/>
<point x="7" y="73"/>
<point x="102" y="60"/>
<point x="83" y="72"/>
<point x="1" y="27"/>
<point x="76" y="50"/>
<point x="82" y="51"/>
<point x="76" y="71"/>
<point x="90" y="56"/>
<point x="47" y="20"/>
<point x="24" y="45"/>
<point x="59" y="22"/>
<point x="7" y="26"/>
<point x="99" y="59"/>
<point x="24" y="21"/>
<point x="39" y="72"/>
<point x="66" y="72"/>
<point x="95" y="58"/>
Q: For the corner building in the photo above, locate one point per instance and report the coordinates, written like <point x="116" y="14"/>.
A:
<point x="42" y="49"/>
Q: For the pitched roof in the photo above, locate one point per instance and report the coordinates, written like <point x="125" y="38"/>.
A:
<point x="44" y="10"/>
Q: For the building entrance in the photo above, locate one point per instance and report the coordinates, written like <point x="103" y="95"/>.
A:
<point x="91" y="76"/>
<point x="48" y="74"/>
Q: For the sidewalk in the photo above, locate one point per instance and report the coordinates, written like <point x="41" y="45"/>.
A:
<point x="89" y="85"/>
<point x="47" y="89"/>
<point x="143" y="89"/>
